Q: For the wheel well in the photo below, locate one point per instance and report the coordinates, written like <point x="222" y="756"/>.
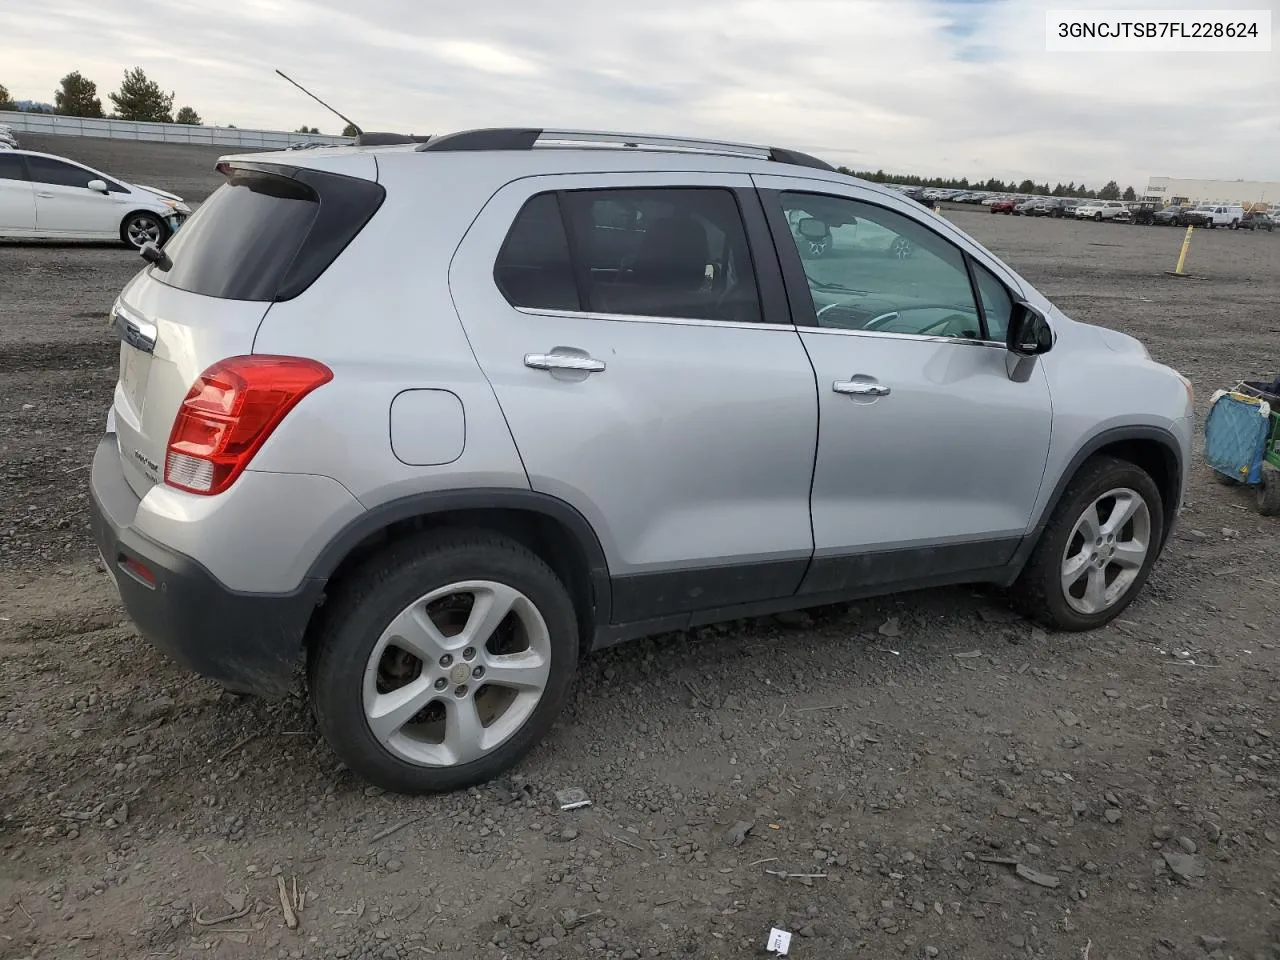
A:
<point x="545" y="536"/>
<point x="1157" y="460"/>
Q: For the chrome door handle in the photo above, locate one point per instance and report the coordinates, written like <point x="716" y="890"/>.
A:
<point x="562" y="361"/>
<point x="860" y="388"/>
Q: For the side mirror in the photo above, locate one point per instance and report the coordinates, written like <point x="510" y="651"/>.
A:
<point x="99" y="186"/>
<point x="1029" y="332"/>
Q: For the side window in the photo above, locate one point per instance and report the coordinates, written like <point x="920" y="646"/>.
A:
<point x="44" y="170"/>
<point x="533" y="267"/>
<point x="876" y="270"/>
<point x="11" y="167"/>
<point x="663" y="252"/>
<point x="997" y="305"/>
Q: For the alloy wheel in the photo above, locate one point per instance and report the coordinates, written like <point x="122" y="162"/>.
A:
<point x="141" y="230"/>
<point x="1106" y="551"/>
<point x="456" y="673"/>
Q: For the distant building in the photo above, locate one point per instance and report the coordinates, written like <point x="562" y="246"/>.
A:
<point x="1244" y="192"/>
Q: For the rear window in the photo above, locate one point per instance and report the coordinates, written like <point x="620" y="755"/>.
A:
<point x="266" y="235"/>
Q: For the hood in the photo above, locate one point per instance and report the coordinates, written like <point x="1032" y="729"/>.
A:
<point x="157" y="191"/>
<point x="1117" y="341"/>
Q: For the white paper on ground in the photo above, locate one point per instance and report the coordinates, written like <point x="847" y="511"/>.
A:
<point x="779" y="941"/>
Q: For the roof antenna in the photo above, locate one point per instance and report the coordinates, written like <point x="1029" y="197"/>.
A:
<point x="351" y="122"/>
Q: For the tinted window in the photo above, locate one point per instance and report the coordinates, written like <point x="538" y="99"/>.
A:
<point x="44" y="170"/>
<point x="872" y="269"/>
<point x="11" y="167"/>
<point x="997" y="305"/>
<point x="679" y="252"/>
<point x="533" y="268"/>
<point x="262" y="236"/>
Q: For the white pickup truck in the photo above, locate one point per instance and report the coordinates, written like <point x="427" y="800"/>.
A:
<point x="1216" y="215"/>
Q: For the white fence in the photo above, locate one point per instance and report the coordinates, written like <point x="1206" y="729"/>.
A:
<point x="160" y="132"/>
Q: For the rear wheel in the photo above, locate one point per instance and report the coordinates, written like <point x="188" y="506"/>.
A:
<point x="142" y="227"/>
<point x="443" y="662"/>
<point x="1097" y="550"/>
<point x="1235" y="224"/>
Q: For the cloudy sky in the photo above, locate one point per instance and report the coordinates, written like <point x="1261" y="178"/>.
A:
<point x="961" y="87"/>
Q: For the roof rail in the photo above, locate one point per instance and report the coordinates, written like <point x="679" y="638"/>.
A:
<point x="376" y="139"/>
<point x="526" y="138"/>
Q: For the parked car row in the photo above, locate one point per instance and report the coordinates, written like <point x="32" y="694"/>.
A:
<point x="1143" y="212"/>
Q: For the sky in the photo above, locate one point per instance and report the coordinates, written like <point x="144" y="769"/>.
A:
<point x="930" y="87"/>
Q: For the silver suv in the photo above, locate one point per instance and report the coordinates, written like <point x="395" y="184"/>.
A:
<point x="437" y="419"/>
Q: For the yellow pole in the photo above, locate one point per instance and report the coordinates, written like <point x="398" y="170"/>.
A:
<point x="1186" y="245"/>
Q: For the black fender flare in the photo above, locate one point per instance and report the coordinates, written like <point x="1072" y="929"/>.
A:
<point x="1098" y="441"/>
<point x="436" y="503"/>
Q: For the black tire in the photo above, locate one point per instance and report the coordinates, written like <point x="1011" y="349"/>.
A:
<point x="155" y="225"/>
<point x="360" y="610"/>
<point x="1269" y="491"/>
<point x="1038" y="592"/>
<point x="1235" y="224"/>
<point x="1097" y="218"/>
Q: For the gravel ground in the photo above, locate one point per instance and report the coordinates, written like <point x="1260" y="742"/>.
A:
<point x="920" y="776"/>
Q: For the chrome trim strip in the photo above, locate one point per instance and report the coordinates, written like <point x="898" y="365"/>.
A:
<point x="738" y="325"/>
<point x="930" y="338"/>
<point x="671" y="321"/>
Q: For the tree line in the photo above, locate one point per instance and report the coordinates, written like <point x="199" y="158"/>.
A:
<point x="1111" y="191"/>
<point x="138" y="98"/>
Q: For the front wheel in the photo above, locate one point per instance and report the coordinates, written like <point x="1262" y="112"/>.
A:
<point x="140" y="228"/>
<point x="443" y="662"/>
<point x="1097" y="217"/>
<point x="1097" y="550"/>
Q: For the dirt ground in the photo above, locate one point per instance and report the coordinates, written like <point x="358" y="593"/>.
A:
<point x="922" y="776"/>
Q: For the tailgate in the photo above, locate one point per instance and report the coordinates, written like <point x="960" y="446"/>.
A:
<point x="262" y="237"/>
<point x="167" y="338"/>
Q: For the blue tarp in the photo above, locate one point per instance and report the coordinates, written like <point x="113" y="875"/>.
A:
<point x="1235" y="438"/>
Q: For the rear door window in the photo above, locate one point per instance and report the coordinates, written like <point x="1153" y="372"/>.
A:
<point x="11" y="167"/>
<point x="264" y="236"/>
<point x="678" y="252"/>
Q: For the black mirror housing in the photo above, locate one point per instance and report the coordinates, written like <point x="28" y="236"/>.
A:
<point x="1029" y="333"/>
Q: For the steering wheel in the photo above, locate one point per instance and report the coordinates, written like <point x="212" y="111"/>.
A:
<point x="944" y="322"/>
<point x="875" y="322"/>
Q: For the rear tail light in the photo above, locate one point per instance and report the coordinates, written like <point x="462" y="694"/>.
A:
<point x="229" y="413"/>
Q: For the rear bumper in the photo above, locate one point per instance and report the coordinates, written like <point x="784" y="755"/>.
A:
<point x="248" y="642"/>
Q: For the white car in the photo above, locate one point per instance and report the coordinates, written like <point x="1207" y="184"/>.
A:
<point x="48" y="197"/>
<point x="1102" y="210"/>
